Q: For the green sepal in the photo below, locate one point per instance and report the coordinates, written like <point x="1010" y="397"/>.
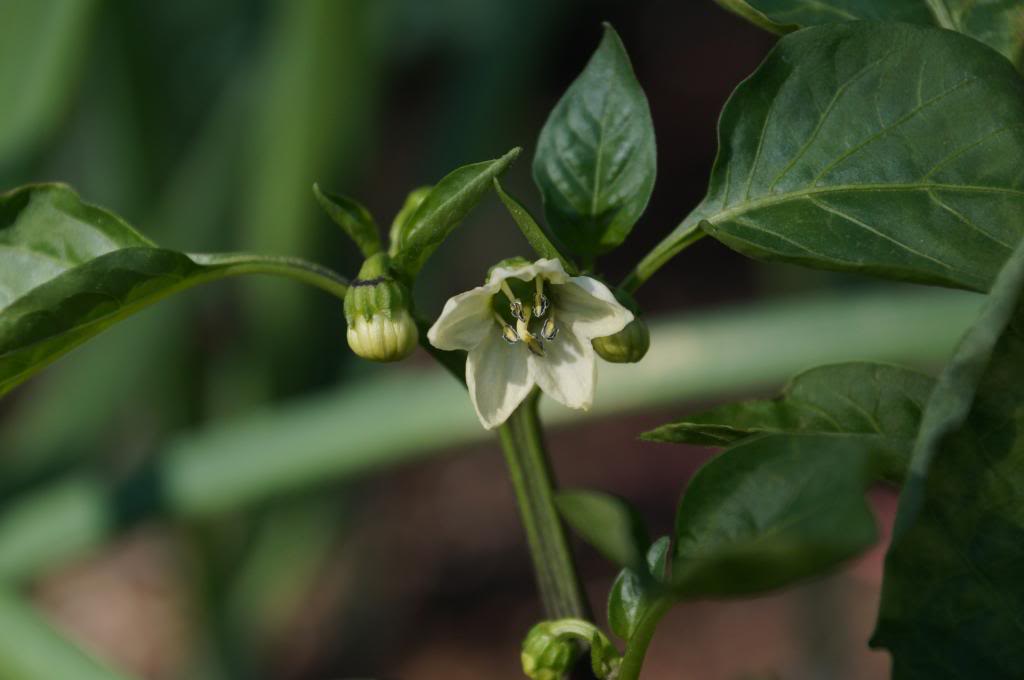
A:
<point x="376" y="291"/>
<point x="412" y="202"/>
<point x="539" y="240"/>
<point x="353" y="218"/>
<point x="442" y="210"/>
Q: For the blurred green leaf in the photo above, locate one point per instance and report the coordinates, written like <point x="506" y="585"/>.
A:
<point x="41" y="49"/>
<point x="608" y="523"/>
<point x="533" y="232"/>
<point x="771" y="511"/>
<point x="632" y="594"/>
<point x="861" y="399"/>
<point x="997" y="23"/>
<point x="890" y="150"/>
<point x="70" y="270"/>
<point x="31" y="650"/>
<point x="952" y="594"/>
<point x="447" y="204"/>
<point x="595" y="162"/>
<point x="353" y="218"/>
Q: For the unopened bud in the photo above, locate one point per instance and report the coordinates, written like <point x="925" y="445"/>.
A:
<point x="628" y="346"/>
<point x="545" y="655"/>
<point x="380" y="327"/>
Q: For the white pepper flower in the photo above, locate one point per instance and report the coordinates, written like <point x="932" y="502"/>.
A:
<point x="530" y="324"/>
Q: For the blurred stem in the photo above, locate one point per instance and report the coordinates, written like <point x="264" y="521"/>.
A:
<point x="633" y="660"/>
<point x="530" y="471"/>
<point x="681" y="238"/>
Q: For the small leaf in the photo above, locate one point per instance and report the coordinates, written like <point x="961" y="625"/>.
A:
<point x="633" y="594"/>
<point x="884" y="149"/>
<point x="69" y="270"/>
<point x="606" y="522"/>
<point x="952" y="593"/>
<point x="861" y="399"/>
<point x="443" y="209"/>
<point x="771" y="511"/>
<point x="595" y="161"/>
<point x="997" y="23"/>
<point x="398" y="228"/>
<point x="535" y="236"/>
<point x="353" y="218"/>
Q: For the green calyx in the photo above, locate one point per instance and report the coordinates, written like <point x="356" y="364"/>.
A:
<point x="551" y="649"/>
<point x="377" y="309"/>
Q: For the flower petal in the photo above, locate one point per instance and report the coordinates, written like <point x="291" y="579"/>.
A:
<point x="464" y="321"/>
<point x="552" y="270"/>
<point x="589" y="308"/>
<point x="498" y="378"/>
<point x="568" y="370"/>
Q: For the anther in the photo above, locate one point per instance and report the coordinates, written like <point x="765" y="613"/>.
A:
<point x="517" y="310"/>
<point x="508" y="333"/>
<point x="549" y="330"/>
<point x="540" y="301"/>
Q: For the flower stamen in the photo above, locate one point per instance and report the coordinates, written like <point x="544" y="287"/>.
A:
<point x="549" y="330"/>
<point x="508" y="334"/>
<point x="540" y="301"/>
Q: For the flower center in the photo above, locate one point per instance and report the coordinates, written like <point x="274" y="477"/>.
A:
<point x="531" y="327"/>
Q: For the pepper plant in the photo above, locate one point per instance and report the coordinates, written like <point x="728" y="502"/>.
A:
<point x="882" y="138"/>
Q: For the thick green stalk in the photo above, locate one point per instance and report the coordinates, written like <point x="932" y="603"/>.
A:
<point x="531" y="477"/>
<point x="633" y="659"/>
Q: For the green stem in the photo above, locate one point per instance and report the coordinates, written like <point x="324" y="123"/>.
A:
<point x="681" y="237"/>
<point x="531" y="476"/>
<point x="633" y="660"/>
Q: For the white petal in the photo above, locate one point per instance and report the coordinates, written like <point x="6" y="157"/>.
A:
<point x="498" y="378"/>
<point x="568" y="370"/>
<point x="589" y="308"/>
<point x="464" y="321"/>
<point x="552" y="270"/>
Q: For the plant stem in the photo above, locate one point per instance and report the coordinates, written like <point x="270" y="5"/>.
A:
<point x="683" y="236"/>
<point x="531" y="476"/>
<point x="633" y="660"/>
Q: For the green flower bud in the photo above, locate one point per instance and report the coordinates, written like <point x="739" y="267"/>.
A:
<point x="628" y="346"/>
<point x="546" y="655"/>
<point x="380" y="327"/>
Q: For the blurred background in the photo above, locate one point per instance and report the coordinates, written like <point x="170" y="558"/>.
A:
<point x="217" y="489"/>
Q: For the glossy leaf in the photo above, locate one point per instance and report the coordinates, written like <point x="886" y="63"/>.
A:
<point x="68" y="270"/>
<point x="533" y="232"/>
<point x="860" y="399"/>
<point x="997" y="23"/>
<point x="353" y="218"/>
<point x="633" y="593"/>
<point x="884" y="149"/>
<point x="606" y="522"/>
<point x="412" y="202"/>
<point x="766" y="513"/>
<point x="443" y="209"/>
<point x="595" y="161"/>
<point x="952" y="594"/>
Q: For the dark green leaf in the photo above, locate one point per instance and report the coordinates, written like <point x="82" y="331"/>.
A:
<point x="595" y="161"/>
<point x="606" y="522"/>
<point x="632" y="594"/>
<point x="535" y="236"/>
<point x="884" y="149"/>
<point x="861" y="399"/>
<point x="952" y="595"/>
<point x="68" y="270"/>
<point x="443" y="209"/>
<point x="771" y="511"/>
<point x="997" y="23"/>
<point x="353" y="218"/>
